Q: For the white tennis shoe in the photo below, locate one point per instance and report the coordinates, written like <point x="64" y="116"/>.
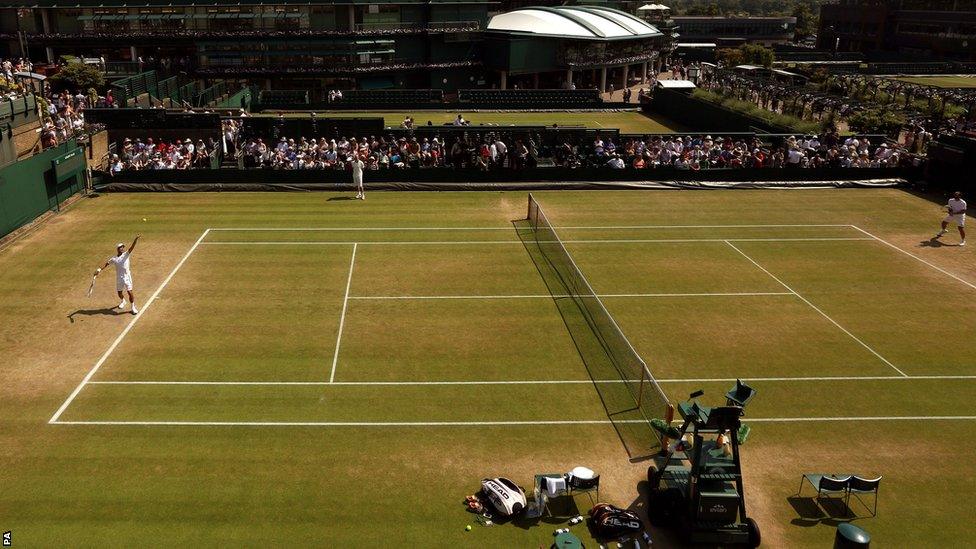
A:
<point x="121" y="305"/>
<point x="134" y="310"/>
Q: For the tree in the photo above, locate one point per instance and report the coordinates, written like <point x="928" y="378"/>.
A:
<point x="78" y="76"/>
<point x="806" y="22"/>
<point x="754" y="54"/>
<point x="728" y="57"/>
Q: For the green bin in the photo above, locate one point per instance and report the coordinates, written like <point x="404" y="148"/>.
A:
<point x="851" y="537"/>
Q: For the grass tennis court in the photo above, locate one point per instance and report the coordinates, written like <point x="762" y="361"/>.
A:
<point x="625" y="121"/>
<point x="941" y="81"/>
<point x="313" y="370"/>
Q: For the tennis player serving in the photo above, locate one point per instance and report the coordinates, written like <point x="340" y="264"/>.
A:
<point x="123" y="274"/>
<point x="956" y="209"/>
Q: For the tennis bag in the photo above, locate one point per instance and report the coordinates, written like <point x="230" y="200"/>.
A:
<point x="505" y="496"/>
<point x="609" y="522"/>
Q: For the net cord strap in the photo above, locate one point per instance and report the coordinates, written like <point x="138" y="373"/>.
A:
<point x="539" y="222"/>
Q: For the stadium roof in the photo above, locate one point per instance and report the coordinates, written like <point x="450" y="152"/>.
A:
<point x="584" y="22"/>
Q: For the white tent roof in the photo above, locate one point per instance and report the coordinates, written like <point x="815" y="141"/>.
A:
<point x="676" y="84"/>
<point x="653" y="7"/>
<point x="574" y="21"/>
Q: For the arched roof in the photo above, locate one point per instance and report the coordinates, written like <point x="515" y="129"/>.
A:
<point x="585" y="22"/>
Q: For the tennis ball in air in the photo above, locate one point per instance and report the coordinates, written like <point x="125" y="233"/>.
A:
<point x="467" y="528"/>
<point x="144" y="219"/>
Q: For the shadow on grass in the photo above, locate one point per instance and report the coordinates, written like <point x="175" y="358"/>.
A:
<point x="334" y="198"/>
<point x="936" y="243"/>
<point x="94" y="312"/>
<point x="619" y="402"/>
<point x="812" y="510"/>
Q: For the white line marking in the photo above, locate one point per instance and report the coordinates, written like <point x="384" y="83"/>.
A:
<point x="558" y="296"/>
<point x="540" y="381"/>
<point x="487" y="423"/>
<point x="125" y="331"/>
<point x="462" y="242"/>
<point x="909" y="254"/>
<point x="342" y="317"/>
<point x="509" y="228"/>
<point x="856" y="418"/>
<point x="815" y="308"/>
<point x="668" y="240"/>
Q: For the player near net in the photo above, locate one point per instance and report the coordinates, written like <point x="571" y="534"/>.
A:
<point x="123" y="273"/>
<point x="956" y="209"/>
<point x="357" y="166"/>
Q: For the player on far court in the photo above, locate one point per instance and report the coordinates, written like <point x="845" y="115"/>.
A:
<point x="123" y="275"/>
<point x="357" y="176"/>
<point x="957" y="214"/>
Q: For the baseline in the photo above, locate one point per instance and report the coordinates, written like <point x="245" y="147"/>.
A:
<point x="489" y="423"/>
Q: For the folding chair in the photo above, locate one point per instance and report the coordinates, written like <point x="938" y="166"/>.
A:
<point x="581" y="480"/>
<point x="860" y="486"/>
<point x="826" y="484"/>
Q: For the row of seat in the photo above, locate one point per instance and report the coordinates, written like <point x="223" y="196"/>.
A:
<point x="394" y="98"/>
<point x="283" y="99"/>
<point x="531" y="98"/>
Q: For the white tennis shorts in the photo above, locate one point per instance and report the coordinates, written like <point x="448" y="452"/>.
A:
<point x="123" y="283"/>
<point x="958" y="219"/>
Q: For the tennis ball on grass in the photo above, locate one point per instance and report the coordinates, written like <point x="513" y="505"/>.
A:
<point x="467" y="528"/>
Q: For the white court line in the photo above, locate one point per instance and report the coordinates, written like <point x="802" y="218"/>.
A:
<point x="538" y="381"/>
<point x="562" y="296"/>
<point x="463" y="242"/>
<point x="125" y="331"/>
<point x="489" y="423"/>
<point x="509" y="228"/>
<point x="909" y="254"/>
<point x="342" y="317"/>
<point x="815" y="308"/>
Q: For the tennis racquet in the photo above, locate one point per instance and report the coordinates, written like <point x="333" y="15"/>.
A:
<point x="91" y="287"/>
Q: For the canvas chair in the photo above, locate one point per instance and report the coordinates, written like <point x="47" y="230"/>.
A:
<point x="827" y="484"/>
<point x="859" y="486"/>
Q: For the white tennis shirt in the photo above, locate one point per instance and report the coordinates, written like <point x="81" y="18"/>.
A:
<point x="956" y="206"/>
<point x="121" y="263"/>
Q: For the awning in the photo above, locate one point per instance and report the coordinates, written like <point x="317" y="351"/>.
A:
<point x="676" y="84"/>
<point x="31" y="75"/>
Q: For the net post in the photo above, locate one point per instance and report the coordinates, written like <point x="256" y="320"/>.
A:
<point x="640" y="389"/>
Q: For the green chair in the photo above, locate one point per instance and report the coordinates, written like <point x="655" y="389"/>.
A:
<point x="859" y="486"/>
<point x="827" y="484"/>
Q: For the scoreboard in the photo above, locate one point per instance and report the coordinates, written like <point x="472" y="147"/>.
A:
<point x="69" y="165"/>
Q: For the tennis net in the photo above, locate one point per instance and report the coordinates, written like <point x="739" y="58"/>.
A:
<point x="648" y="396"/>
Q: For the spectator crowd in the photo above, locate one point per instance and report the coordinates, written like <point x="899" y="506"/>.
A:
<point x="151" y="154"/>
<point x="494" y="150"/>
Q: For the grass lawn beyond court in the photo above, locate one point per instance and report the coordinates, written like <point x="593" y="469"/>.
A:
<point x="941" y="81"/>
<point x="313" y="371"/>
<point x="625" y="121"/>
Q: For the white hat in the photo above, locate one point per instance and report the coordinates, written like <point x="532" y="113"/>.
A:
<point x="120" y="244"/>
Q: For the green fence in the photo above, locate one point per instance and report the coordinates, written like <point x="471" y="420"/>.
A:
<point x="132" y="87"/>
<point x="174" y="88"/>
<point x="240" y="100"/>
<point x="39" y="184"/>
<point x="210" y="96"/>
